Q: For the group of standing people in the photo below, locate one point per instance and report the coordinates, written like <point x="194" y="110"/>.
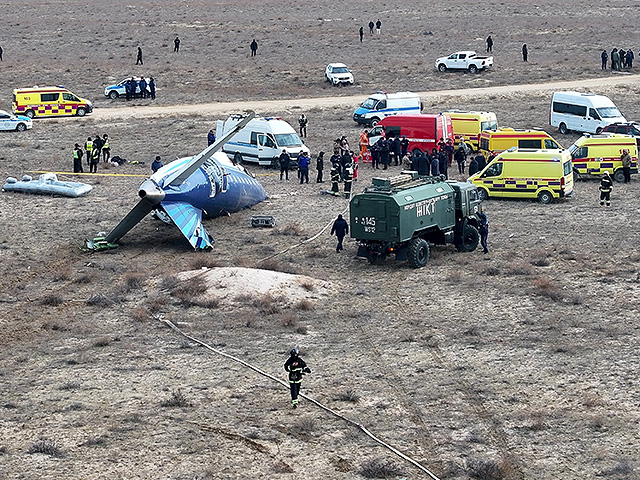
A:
<point x="620" y="59"/>
<point x="140" y="88"/>
<point x="94" y="149"/>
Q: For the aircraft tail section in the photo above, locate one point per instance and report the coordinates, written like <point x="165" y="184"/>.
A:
<point x="189" y="220"/>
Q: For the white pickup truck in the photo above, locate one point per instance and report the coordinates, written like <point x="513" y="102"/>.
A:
<point x="464" y="61"/>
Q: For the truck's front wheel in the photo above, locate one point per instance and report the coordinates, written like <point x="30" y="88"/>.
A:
<point x="469" y="239"/>
<point x="442" y="67"/>
<point x="418" y="254"/>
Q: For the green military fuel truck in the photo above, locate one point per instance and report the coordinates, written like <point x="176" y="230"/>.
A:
<point x="402" y="215"/>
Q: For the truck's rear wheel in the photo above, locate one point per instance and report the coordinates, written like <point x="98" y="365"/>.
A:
<point x="618" y="176"/>
<point x="563" y="129"/>
<point x="418" y="254"/>
<point x="374" y="121"/>
<point x="473" y="69"/>
<point x="30" y="113"/>
<point x="113" y="94"/>
<point x="237" y="158"/>
<point x="483" y="194"/>
<point x="545" y="197"/>
<point x="469" y="239"/>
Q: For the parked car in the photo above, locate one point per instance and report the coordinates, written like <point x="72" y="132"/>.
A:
<point x="629" y="128"/>
<point x="118" y="90"/>
<point x="14" y="122"/>
<point x="467" y="60"/>
<point x="338" y="74"/>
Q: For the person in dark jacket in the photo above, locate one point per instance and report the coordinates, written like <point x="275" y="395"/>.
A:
<point x="320" y="167"/>
<point x="139" y="57"/>
<point x="606" y="185"/>
<point x="435" y="162"/>
<point x="384" y="153"/>
<point x="397" y="151"/>
<point x="630" y="57"/>
<point x="335" y="180"/>
<point x="77" y="159"/>
<point x="348" y="179"/>
<point x="442" y="164"/>
<point x="604" y="56"/>
<point x="473" y="166"/>
<point x="176" y="44"/>
<point x="284" y="160"/>
<point x="423" y="164"/>
<point x="143" y="88"/>
<point x="211" y="137"/>
<point x="483" y="230"/>
<point x="296" y="367"/>
<point x="449" y="149"/>
<point x="254" y="47"/>
<point x="525" y="52"/>
<point x="375" y="154"/>
<point x="378" y="26"/>
<point x="482" y="162"/>
<point x="361" y="31"/>
<point x="404" y="146"/>
<point x="157" y="164"/>
<point x="152" y="88"/>
<point x="336" y="162"/>
<point x="460" y="157"/>
<point x="303" y="167"/>
<point x="626" y="160"/>
<point x="340" y="228"/>
<point x="489" y="44"/>
<point x="371" y="25"/>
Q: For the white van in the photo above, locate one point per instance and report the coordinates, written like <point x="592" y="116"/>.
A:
<point x="380" y="105"/>
<point x="261" y="141"/>
<point x="582" y="112"/>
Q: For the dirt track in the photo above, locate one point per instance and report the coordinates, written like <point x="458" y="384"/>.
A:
<point x="218" y="108"/>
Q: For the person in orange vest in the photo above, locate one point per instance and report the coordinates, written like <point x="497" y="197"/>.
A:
<point x="364" y="142"/>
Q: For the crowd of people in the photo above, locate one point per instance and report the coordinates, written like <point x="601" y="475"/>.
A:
<point x="620" y="59"/>
<point x="93" y="150"/>
<point x="141" y="88"/>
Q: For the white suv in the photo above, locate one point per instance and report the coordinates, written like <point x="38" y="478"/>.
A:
<point x="338" y="74"/>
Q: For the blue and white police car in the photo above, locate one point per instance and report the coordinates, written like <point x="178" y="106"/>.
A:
<point x="14" y="122"/>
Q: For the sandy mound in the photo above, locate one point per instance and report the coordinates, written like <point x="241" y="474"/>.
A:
<point x="236" y="283"/>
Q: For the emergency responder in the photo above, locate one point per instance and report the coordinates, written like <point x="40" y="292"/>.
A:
<point x="483" y="231"/>
<point x="626" y="165"/>
<point x="302" y="123"/>
<point x="384" y="153"/>
<point x="435" y="162"/>
<point x="335" y="179"/>
<point x="336" y="162"/>
<point x="285" y="160"/>
<point x="404" y="146"/>
<point x="525" y="52"/>
<point x="296" y="367"/>
<point x="320" y="167"/>
<point x="88" y="146"/>
<point x="606" y="185"/>
<point x="77" y="159"/>
<point x="340" y="228"/>
<point x="156" y="164"/>
<point x="106" y="149"/>
<point x="97" y="146"/>
<point x="397" y="151"/>
<point x="375" y="154"/>
<point x="442" y="164"/>
<point x="348" y="179"/>
<point x="303" y="167"/>
<point x="95" y="160"/>
<point x="364" y="141"/>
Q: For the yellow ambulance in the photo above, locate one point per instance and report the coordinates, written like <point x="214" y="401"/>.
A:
<point x="470" y="124"/>
<point x="595" y="154"/>
<point x="527" y="173"/>
<point x="48" y="101"/>
<point x="505" y="138"/>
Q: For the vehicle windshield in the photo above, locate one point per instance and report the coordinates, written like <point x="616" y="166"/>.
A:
<point x="340" y="70"/>
<point x="609" y="112"/>
<point x="369" y="103"/>
<point x="288" y="140"/>
<point x="489" y="125"/>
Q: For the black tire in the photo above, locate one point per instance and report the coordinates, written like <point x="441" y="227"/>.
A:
<point x="563" y="129"/>
<point x="237" y="158"/>
<point x="483" y="194"/>
<point x="442" y="67"/>
<point x="473" y="69"/>
<point x="545" y="197"/>
<point x="113" y="94"/>
<point x="418" y="254"/>
<point x="374" y="121"/>
<point x="21" y="127"/>
<point x="469" y="239"/>
<point x="618" y="175"/>
<point x="30" y="113"/>
<point x="598" y="131"/>
<point x="81" y="112"/>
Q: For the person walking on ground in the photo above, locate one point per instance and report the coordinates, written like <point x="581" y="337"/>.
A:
<point x="489" y="44"/>
<point x="88" y="147"/>
<point x="371" y="25"/>
<point x="525" y="52"/>
<point x="106" y="149"/>
<point x="302" y="123"/>
<point x="152" y="88"/>
<point x="303" y="167"/>
<point x="285" y="160"/>
<point x="1" y="54"/>
<point x="77" y="159"/>
<point x="296" y="367"/>
<point x="176" y="44"/>
<point x="320" y="167"/>
<point x="254" y="47"/>
<point x="483" y="230"/>
<point x="157" y="164"/>
<point x="378" y="26"/>
<point x="361" y="33"/>
<point x="340" y="228"/>
<point x="626" y="165"/>
<point x="211" y="137"/>
<point x="606" y="185"/>
<point x="604" y="56"/>
<point x="139" y="57"/>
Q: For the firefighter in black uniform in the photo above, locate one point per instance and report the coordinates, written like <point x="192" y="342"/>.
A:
<point x="77" y="159"/>
<point x="606" y="185"/>
<point x="296" y="367"/>
<point x="348" y="179"/>
<point x="335" y="179"/>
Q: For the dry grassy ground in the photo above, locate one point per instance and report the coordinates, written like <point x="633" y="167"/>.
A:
<point x="519" y="364"/>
